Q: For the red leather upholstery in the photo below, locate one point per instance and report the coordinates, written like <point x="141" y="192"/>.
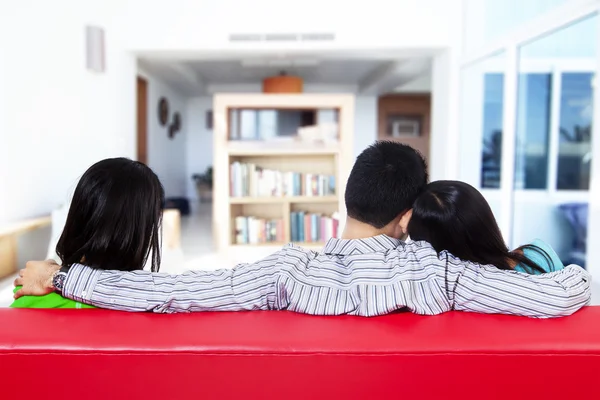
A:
<point x="97" y="354"/>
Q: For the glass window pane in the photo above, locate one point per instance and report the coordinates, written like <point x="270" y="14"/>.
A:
<point x="574" y="152"/>
<point x="533" y="129"/>
<point x="482" y="110"/>
<point x="493" y="109"/>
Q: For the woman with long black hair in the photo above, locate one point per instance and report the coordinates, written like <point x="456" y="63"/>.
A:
<point x="454" y="216"/>
<point x="113" y="224"/>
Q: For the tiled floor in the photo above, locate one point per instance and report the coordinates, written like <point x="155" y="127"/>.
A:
<point x="198" y="254"/>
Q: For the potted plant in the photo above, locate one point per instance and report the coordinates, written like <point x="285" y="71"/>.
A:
<point x="204" y="185"/>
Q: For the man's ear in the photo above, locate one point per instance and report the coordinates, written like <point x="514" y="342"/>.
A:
<point x="404" y="220"/>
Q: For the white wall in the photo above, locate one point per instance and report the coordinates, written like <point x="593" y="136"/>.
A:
<point x="57" y="118"/>
<point x="365" y="123"/>
<point x="196" y="25"/>
<point x="166" y="156"/>
<point x="444" y="147"/>
<point x="199" y="146"/>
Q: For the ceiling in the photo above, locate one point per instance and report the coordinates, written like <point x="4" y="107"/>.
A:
<point x="366" y="74"/>
<point x="311" y="70"/>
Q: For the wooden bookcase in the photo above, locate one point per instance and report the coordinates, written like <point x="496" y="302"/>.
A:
<point x="333" y="159"/>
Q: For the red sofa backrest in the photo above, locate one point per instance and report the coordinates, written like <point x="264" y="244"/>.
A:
<point x="98" y="354"/>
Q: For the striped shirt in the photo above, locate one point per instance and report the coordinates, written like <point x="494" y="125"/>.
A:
<point x="365" y="277"/>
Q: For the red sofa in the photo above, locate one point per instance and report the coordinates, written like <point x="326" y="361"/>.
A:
<point x="97" y="354"/>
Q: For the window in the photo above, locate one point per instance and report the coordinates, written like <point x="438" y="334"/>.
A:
<point x="533" y="131"/>
<point x="553" y="139"/>
<point x="550" y="144"/>
<point x="481" y="119"/>
<point x="533" y="153"/>
<point x="575" y="129"/>
<point x="493" y="108"/>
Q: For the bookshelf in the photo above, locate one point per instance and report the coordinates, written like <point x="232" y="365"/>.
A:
<point x="268" y="184"/>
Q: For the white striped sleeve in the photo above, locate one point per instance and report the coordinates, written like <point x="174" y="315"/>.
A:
<point x="245" y="287"/>
<point x="487" y="289"/>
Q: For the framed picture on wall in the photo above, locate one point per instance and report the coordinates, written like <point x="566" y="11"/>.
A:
<point x="402" y="125"/>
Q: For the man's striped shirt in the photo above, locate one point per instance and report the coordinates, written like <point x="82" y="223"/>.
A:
<point x="366" y="277"/>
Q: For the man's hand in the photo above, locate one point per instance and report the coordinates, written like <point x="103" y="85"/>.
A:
<point x="36" y="278"/>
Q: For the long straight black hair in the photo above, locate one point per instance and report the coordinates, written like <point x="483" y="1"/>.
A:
<point x="115" y="217"/>
<point x="454" y="216"/>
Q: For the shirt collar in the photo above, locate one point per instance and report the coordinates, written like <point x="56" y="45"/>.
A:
<point x="372" y="244"/>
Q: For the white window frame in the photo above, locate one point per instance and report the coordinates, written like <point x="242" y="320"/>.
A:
<point x="552" y="21"/>
<point x="554" y="67"/>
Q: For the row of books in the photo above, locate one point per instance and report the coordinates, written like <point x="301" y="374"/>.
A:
<point x="252" y="230"/>
<point x="310" y="227"/>
<point x="250" y="180"/>
<point x="304" y="227"/>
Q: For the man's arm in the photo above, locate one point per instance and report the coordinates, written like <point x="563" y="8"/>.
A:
<point x="245" y="287"/>
<point x="487" y="289"/>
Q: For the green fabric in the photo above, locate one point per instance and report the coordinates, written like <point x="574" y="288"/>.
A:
<point x="51" y="300"/>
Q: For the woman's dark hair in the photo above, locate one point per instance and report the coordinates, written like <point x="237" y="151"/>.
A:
<point x="114" y="219"/>
<point x="454" y="216"/>
<point x="384" y="182"/>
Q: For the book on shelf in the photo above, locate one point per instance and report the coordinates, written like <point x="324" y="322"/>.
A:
<point x="312" y="228"/>
<point x="250" y="180"/>
<point x="253" y="230"/>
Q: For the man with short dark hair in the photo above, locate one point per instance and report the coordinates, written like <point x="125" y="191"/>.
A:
<point x="369" y="271"/>
<point x="385" y="181"/>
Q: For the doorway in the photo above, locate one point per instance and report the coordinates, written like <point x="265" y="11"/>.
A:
<point x="405" y="118"/>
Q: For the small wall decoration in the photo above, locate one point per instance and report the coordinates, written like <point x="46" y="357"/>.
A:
<point x="172" y="131"/>
<point x="401" y="125"/>
<point x="175" y="126"/>
<point x="209" y="119"/>
<point x="163" y="111"/>
<point x="94" y="49"/>
<point x="177" y="121"/>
